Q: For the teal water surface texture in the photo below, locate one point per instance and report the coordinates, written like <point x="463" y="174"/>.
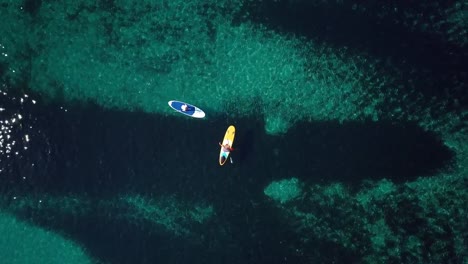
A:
<point x="351" y="141"/>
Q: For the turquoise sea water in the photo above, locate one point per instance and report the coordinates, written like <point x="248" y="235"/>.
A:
<point x="351" y="132"/>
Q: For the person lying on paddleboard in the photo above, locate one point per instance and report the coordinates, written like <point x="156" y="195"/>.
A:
<point x="184" y="107"/>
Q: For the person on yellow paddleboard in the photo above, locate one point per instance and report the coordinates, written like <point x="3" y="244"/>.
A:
<point x="226" y="147"/>
<point x="225" y="153"/>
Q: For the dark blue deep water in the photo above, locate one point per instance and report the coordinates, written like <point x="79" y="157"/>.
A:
<point x="98" y="153"/>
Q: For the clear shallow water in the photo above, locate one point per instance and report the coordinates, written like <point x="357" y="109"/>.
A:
<point x="138" y="187"/>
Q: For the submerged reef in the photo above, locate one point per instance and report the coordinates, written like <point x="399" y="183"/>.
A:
<point x="136" y="56"/>
<point x="283" y="191"/>
<point x="418" y="222"/>
<point x="23" y="243"/>
<point x="155" y="215"/>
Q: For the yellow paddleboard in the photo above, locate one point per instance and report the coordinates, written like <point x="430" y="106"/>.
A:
<point x="229" y="140"/>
